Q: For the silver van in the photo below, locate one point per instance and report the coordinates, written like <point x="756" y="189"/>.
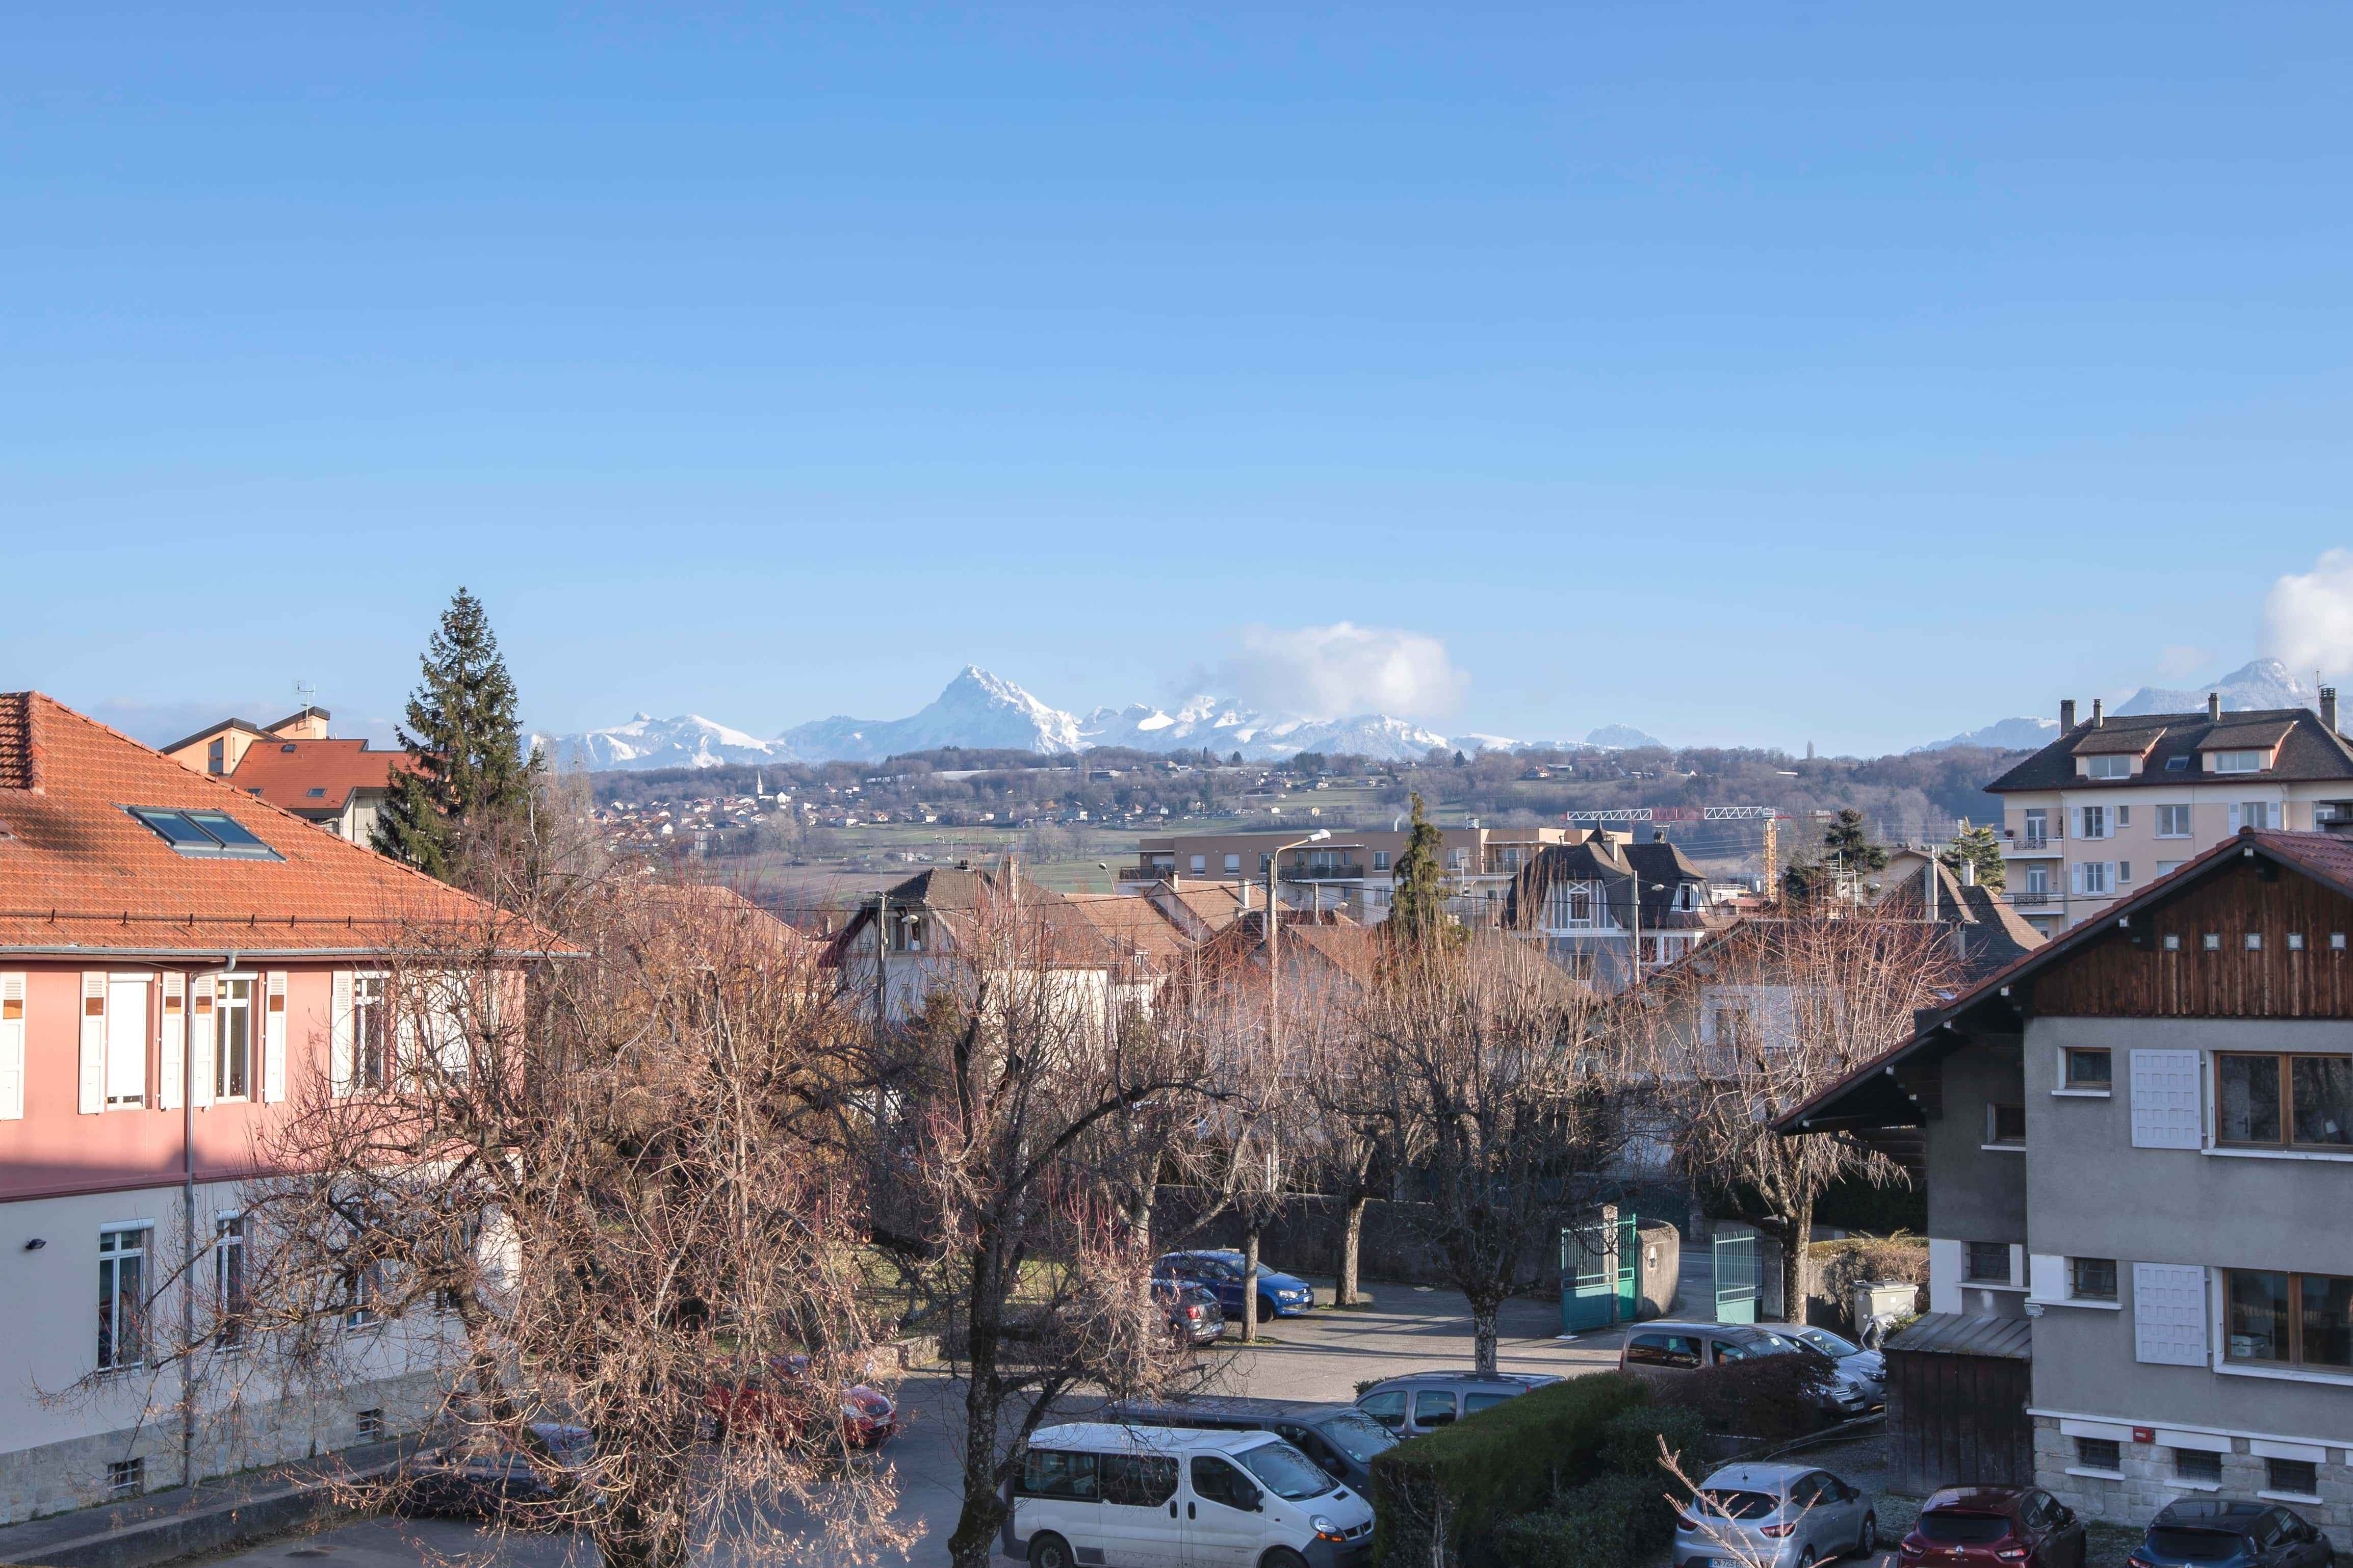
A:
<point x="1420" y="1402"/>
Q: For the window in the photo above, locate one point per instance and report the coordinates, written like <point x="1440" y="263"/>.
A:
<point x="2110" y="767"/>
<point x="1434" y="1408"/>
<point x="1380" y="859"/>
<point x="2173" y="822"/>
<point x="1386" y="1407"/>
<point x="2295" y="942"/>
<point x="2092" y="875"/>
<point x="2099" y="1453"/>
<point x="233" y="1031"/>
<point x="2091" y="822"/>
<point x="2177" y="764"/>
<point x="1662" y="1349"/>
<point x="122" y="1297"/>
<point x="2237" y="761"/>
<point x="125" y="1006"/>
<point x="2089" y="1069"/>
<point x="1214" y="1481"/>
<point x="1457" y="860"/>
<point x="126" y="1477"/>
<point x="1137" y="1480"/>
<point x="316" y="791"/>
<point x="2005" y="1124"/>
<point x="2037" y="829"/>
<point x="216" y="757"/>
<point x="1234" y="863"/>
<point x="371" y="1033"/>
<point x="228" y="1280"/>
<point x="369" y="1424"/>
<point x="2092" y="1278"/>
<point x="1200" y="864"/>
<point x="2166" y="869"/>
<point x="2283" y="1100"/>
<point x="2254" y="942"/>
<point x="1264" y="863"/>
<point x="2299" y="1476"/>
<point x="2255" y="813"/>
<point x="207" y="834"/>
<point x="2124" y="870"/>
<point x="2198" y="1465"/>
<point x="2292" y="1320"/>
<point x="1474" y="1402"/>
<point x="2211" y="941"/>
<point x="1049" y="1472"/>
<point x="1988" y="1262"/>
<point x="2124" y="816"/>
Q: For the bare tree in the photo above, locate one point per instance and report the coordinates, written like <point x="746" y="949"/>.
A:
<point x="1519" y="1099"/>
<point x="1760" y="1020"/>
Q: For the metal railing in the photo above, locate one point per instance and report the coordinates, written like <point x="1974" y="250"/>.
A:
<point x="1146" y="873"/>
<point x="1328" y="872"/>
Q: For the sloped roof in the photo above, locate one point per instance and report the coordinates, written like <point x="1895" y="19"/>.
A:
<point x="958" y="897"/>
<point x="1136" y="929"/>
<point x="287" y="772"/>
<point x="1999" y="935"/>
<point x="1959" y="1333"/>
<point x="79" y="874"/>
<point x="2307" y="751"/>
<point x="725" y="904"/>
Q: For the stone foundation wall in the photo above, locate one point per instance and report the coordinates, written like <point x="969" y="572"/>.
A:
<point x="2150" y="1481"/>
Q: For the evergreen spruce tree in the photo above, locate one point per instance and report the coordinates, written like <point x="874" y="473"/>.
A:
<point x="469" y="778"/>
<point x="1846" y="840"/>
<point x="1418" y="909"/>
<point x="1979" y="846"/>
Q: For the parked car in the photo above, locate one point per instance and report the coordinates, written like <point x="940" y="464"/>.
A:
<point x="1866" y="1370"/>
<point x="2230" y="1533"/>
<point x="1421" y="1402"/>
<point x="1095" y="1492"/>
<point x="1664" y="1350"/>
<point x="1780" y="1515"/>
<point x="784" y="1402"/>
<point x="1194" y="1316"/>
<point x="1340" y="1438"/>
<point x="1220" y="1273"/>
<point x="520" y="1481"/>
<point x="1994" y="1527"/>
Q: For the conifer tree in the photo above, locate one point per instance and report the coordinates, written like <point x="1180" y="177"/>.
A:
<point x="468" y="778"/>
<point x="1417" y="908"/>
<point x="1846" y="840"/>
<point x="1978" y="846"/>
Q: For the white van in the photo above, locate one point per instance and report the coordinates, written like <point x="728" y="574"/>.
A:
<point x="1095" y="1495"/>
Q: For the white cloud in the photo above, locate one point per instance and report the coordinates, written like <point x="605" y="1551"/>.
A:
<point x="1335" y="671"/>
<point x="2308" y="615"/>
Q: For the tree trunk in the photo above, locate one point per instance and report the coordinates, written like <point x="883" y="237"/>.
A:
<point x="972" y="1543"/>
<point x="1249" y="1282"/>
<point x="1796" y="1230"/>
<point x="1484" y="1314"/>
<point x="1352" y="1233"/>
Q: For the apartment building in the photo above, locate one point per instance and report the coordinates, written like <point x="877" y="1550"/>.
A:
<point x="295" y="765"/>
<point x="2139" y="1149"/>
<point x="1352" y="870"/>
<point x="1608" y="910"/>
<point x="182" y="967"/>
<point x="2115" y="803"/>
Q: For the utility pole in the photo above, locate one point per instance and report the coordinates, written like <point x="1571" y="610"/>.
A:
<point x="882" y="953"/>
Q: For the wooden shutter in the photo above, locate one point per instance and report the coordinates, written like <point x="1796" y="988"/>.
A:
<point x="2170" y="1314"/>
<point x="273" y="1038"/>
<point x="2075" y="878"/>
<point x="174" y="1058"/>
<point x="93" y="1041"/>
<point x="12" y="1047"/>
<point x="200" y="1037"/>
<point x="2165" y="1100"/>
<point x="341" y="1068"/>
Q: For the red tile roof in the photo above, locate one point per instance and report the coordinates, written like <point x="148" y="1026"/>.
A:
<point x="78" y="873"/>
<point x="284" y="773"/>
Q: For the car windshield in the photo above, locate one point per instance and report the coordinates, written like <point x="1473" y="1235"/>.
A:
<point x="1829" y="1343"/>
<point x="1358" y="1436"/>
<point x="1964" y="1529"/>
<point x="2197" y="1545"/>
<point x="1727" y="1504"/>
<point x="1288" y="1473"/>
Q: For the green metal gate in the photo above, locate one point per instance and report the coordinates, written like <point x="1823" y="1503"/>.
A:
<point x="1600" y="1262"/>
<point x="1737" y="1276"/>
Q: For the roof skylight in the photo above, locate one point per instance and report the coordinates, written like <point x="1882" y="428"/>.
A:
<point x="203" y="834"/>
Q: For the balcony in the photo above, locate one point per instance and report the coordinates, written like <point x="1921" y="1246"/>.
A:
<point x="2037" y="901"/>
<point x="1146" y="873"/>
<point x="1325" y="871"/>
<point x="2033" y="845"/>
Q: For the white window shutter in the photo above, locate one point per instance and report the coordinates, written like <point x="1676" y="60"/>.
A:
<point x="2046" y="1277"/>
<point x="12" y="1047"/>
<point x="2234" y="816"/>
<point x="174" y="1061"/>
<point x="200" y="1037"/>
<point x="2170" y="1314"/>
<point x="93" y="1041"/>
<point x="341" y="1069"/>
<point x="2165" y="1100"/>
<point x="2075" y="877"/>
<point x="273" y="1039"/>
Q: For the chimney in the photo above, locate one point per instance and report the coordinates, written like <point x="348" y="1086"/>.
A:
<point x="1929" y="873"/>
<point x="1969" y="873"/>
<point x="2213" y="707"/>
<point x="2098" y="718"/>
<point x="2066" y="713"/>
<point x="2328" y="708"/>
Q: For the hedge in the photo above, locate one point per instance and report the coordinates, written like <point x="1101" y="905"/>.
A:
<point x="1513" y="1458"/>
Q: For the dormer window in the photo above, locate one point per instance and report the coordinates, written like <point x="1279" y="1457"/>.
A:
<point x="2237" y="761"/>
<point x="2108" y="767"/>
<point x="203" y="834"/>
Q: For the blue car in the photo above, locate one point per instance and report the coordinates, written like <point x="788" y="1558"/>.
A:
<point x="1220" y="1273"/>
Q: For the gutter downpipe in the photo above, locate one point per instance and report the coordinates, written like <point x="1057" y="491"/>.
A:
<point x="188" y="1219"/>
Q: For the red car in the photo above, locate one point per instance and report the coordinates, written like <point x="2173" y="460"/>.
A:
<point x="1994" y="1527"/>
<point x="788" y="1405"/>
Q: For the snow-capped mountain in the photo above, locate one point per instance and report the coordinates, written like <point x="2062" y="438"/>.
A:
<point x="1622" y="738"/>
<point x="645" y="742"/>
<point x="2256" y="684"/>
<point x="977" y="710"/>
<point x="2019" y="734"/>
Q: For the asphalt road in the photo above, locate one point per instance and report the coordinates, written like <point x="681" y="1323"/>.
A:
<point x="1321" y="1356"/>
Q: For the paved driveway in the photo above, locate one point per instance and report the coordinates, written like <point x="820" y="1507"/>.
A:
<point x="1323" y="1356"/>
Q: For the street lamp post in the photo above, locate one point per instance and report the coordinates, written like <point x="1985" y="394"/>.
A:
<point x="1273" y="1043"/>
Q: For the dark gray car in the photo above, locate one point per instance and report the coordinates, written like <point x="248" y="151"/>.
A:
<point x="1422" y="1402"/>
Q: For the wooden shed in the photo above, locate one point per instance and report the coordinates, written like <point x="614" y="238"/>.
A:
<point x="1958" y="1388"/>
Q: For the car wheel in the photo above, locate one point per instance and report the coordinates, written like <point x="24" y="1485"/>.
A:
<point x="1807" y="1559"/>
<point x="1282" y="1557"/>
<point x="1048" y="1549"/>
<point x="1868" y="1541"/>
<point x="1266" y="1308"/>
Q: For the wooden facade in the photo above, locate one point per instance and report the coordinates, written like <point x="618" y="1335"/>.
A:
<point x="1958" y="1420"/>
<point x="2132" y="973"/>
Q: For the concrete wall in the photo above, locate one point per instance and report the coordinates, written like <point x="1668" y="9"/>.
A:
<point x="1975" y="1194"/>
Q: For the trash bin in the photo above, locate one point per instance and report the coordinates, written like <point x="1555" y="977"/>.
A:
<point x="1879" y="1304"/>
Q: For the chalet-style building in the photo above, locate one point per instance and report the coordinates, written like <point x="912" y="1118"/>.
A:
<point x="1607" y="911"/>
<point x="2139" y="1151"/>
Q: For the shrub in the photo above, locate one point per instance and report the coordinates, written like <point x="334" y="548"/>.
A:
<point x="1771" y="1399"/>
<point x="1630" y="1442"/>
<point x="1459" y="1484"/>
<point x="1841" y="1266"/>
<point x="1616" y="1520"/>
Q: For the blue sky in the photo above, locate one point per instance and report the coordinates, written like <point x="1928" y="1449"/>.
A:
<point x="1851" y="373"/>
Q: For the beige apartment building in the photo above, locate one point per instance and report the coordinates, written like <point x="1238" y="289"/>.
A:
<point x="2116" y="803"/>
<point x="1353" y="870"/>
